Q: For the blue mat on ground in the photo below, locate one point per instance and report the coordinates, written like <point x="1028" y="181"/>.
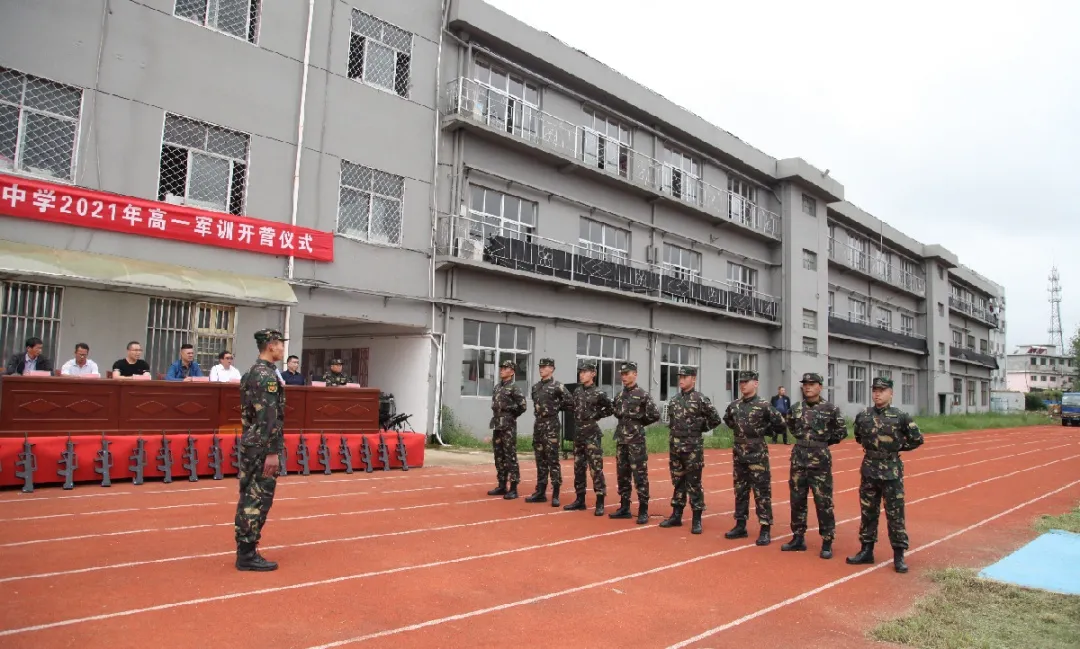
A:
<point x="1051" y="562"/>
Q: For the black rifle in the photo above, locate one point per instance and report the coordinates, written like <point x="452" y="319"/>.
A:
<point x="71" y="462"/>
<point x="191" y="454"/>
<point x="346" y="454"/>
<point x="302" y="456"/>
<point x="215" y="457"/>
<point x="283" y="460"/>
<point x="234" y="455"/>
<point x="324" y="454"/>
<point x="165" y="456"/>
<point x="384" y="452"/>
<point x="365" y="454"/>
<point x="105" y="457"/>
<point x="139" y="458"/>
<point x="402" y="452"/>
<point x="28" y="461"/>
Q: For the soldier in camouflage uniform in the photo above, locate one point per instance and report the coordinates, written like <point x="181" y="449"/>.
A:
<point x="549" y="398"/>
<point x="884" y="431"/>
<point x="816" y="425"/>
<point x="752" y="419"/>
<point x="635" y="409"/>
<point x="591" y="404"/>
<point x="262" y="413"/>
<point x="690" y="413"/>
<point x="334" y="378"/>
<point x="507" y="404"/>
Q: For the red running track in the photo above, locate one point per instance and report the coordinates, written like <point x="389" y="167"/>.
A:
<point x="427" y="559"/>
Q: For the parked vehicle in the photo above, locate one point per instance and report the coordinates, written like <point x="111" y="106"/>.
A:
<point x="1070" y="409"/>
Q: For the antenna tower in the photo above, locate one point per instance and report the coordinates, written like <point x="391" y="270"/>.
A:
<point x="1056" y="337"/>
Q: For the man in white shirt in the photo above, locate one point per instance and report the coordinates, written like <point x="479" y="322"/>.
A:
<point x="224" y="371"/>
<point x="81" y="365"/>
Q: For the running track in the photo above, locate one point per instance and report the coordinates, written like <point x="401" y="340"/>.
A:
<point x="425" y="558"/>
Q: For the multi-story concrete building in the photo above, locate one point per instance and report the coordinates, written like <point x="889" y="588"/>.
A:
<point x="1040" y="367"/>
<point x="486" y="191"/>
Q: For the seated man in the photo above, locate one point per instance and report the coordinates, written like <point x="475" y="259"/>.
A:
<point x="292" y="373"/>
<point x="185" y="367"/>
<point x="224" y="371"/>
<point x="30" y="360"/>
<point x="334" y="378"/>
<point x="81" y="365"/>
<point x="132" y="364"/>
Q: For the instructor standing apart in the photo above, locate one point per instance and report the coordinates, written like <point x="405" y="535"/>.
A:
<point x="262" y="413"/>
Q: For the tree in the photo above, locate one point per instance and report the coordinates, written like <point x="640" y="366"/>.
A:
<point x="1074" y="352"/>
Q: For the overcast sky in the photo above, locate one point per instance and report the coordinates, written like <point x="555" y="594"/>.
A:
<point x="956" y="122"/>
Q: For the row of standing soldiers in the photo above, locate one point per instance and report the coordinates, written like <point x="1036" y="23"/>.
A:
<point x="816" y="424"/>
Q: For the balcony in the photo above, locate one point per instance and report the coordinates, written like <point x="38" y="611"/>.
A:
<point x="972" y="357"/>
<point x="878" y="269"/>
<point x="467" y="241"/>
<point x="855" y="326"/>
<point x="471" y="103"/>
<point x="979" y="313"/>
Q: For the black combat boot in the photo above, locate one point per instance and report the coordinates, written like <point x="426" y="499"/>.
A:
<point x="554" y="496"/>
<point x="737" y="532"/>
<point x="866" y="555"/>
<point x="643" y="512"/>
<point x="498" y="491"/>
<point x="623" y="511"/>
<point x="796" y="544"/>
<point x="695" y="527"/>
<point x="599" y="506"/>
<point x="538" y="496"/>
<point x="826" y="550"/>
<point x="512" y="493"/>
<point x="898" y="561"/>
<point x="579" y="503"/>
<point x="763" y="538"/>
<point x="248" y="558"/>
<point x="675" y="520"/>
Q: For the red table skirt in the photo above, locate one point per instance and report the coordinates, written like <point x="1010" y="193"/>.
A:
<point x="49" y="450"/>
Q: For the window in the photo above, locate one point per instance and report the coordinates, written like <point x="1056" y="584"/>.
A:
<point x="809" y="259"/>
<point x="605" y="143"/>
<point x="809" y="345"/>
<point x="1034" y="361"/>
<point x="809" y="319"/>
<point x="210" y="328"/>
<point x="39" y="122"/>
<point x="984" y="346"/>
<point x="884" y="373"/>
<point x="809" y="205"/>
<point x="507" y="102"/>
<point x="487" y="345"/>
<point x="907" y="388"/>
<point x="239" y="18"/>
<point x="941" y="348"/>
<point x="971" y="393"/>
<point x="857" y="311"/>
<point x="683" y="265"/>
<point x="884" y="318"/>
<point x="742" y="196"/>
<point x="681" y="175"/>
<point x="832" y="303"/>
<point x="369" y="204"/>
<point x="957" y="338"/>
<point x="28" y="311"/>
<point x="607" y="351"/>
<point x="830" y="382"/>
<point x="202" y="165"/>
<point x="603" y="241"/>
<point x="940" y="309"/>
<point x="856" y="387"/>
<point x="736" y="362"/>
<point x="380" y="54"/>
<point x="958" y="389"/>
<point x="907" y="325"/>
<point x="494" y="213"/>
<point x="941" y="366"/>
<point x="672" y="357"/>
<point x="743" y="277"/>
<point x="985" y="390"/>
<point x="971" y="342"/>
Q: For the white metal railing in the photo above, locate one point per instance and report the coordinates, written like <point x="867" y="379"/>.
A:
<point x="978" y="312"/>
<point x="471" y="100"/>
<point x="469" y="237"/>
<point x="863" y="261"/>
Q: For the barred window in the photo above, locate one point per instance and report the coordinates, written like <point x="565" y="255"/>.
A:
<point x="370" y="204"/>
<point x="39" y="122"/>
<point x="809" y="345"/>
<point x="607" y="352"/>
<point x="809" y="319"/>
<point x="380" y="54"/>
<point x="210" y="328"/>
<point x="672" y="357"/>
<point x="203" y="165"/>
<point x="809" y="205"/>
<point x="239" y="18"/>
<point x="28" y="311"/>
<point x="487" y="345"/>
<point x="809" y="259"/>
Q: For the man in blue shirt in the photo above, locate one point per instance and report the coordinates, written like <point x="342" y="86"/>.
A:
<point x="185" y="367"/>
<point x="783" y="405"/>
<point x="292" y="375"/>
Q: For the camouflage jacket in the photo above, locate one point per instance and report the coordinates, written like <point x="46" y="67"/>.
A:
<point x="591" y="404"/>
<point x="884" y="433"/>
<point x="334" y="379"/>
<point x="752" y="420"/>
<point x="691" y="413"/>
<point x="262" y="408"/>
<point x="815" y="427"/>
<point x="549" y="397"/>
<point x="635" y="409"/>
<point x="507" y="404"/>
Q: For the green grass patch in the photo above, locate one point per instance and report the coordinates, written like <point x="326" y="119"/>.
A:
<point x="972" y="613"/>
<point x="1070" y="522"/>
<point x="958" y="423"/>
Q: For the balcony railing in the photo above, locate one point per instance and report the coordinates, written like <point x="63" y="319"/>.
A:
<point x="966" y="354"/>
<point x="469" y="238"/>
<point x="979" y="313"/>
<point x="475" y="102"/>
<point x="861" y="261"/>
<point x="857" y="326"/>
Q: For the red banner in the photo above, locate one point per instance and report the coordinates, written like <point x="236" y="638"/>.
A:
<point x="28" y="198"/>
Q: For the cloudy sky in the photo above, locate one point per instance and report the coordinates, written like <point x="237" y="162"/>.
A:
<point x="956" y="122"/>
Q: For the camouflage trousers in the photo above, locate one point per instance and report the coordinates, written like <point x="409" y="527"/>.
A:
<point x="632" y="462"/>
<point x="546" y="450"/>
<point x="589" y="455"/>
<point x="687" y="461"/>
<point x="819" y="480"/>
<point x="256" y="495"/>
<point x="757" y="477"/>
<point x="871" y="493"/>
<point x="504" y="442"/>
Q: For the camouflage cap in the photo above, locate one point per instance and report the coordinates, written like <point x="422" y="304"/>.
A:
<point x="686" y="370"/>
<point x="587" y="366"/>
<point x="628" y="366"/>
<point x="880" y="383"/>
<point x="268" y="336"/>
<point x="748" y="375"/>
<point x="547" y="362"/>
<point x="811" y="377"/>
<point x="509" y="365"/>
<point x="336" y="361"/>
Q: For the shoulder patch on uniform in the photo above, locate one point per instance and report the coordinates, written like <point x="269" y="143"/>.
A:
<point x="271" y="386"/>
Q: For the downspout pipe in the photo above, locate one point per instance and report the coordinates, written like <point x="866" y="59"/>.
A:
<point x="437" y="339"/>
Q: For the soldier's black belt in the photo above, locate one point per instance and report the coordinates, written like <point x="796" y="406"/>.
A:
<point x="686" y="433"/>
<point x="750" y="441"/>
<point x="810" y="443"/>
<point x="882" y="455"/>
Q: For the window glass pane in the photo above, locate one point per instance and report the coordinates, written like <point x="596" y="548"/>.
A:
<point x="487" y="334"/>
<point x="608" y="347"/>
<point x="488" y="374"/>
<point x="469" y="373"/>
<point x="582" y="344"/>
<point x="524" y="338"/>
<point x="472" y="332"/>
<point x="506" y="336"/>
<point x="622" y="347"/>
